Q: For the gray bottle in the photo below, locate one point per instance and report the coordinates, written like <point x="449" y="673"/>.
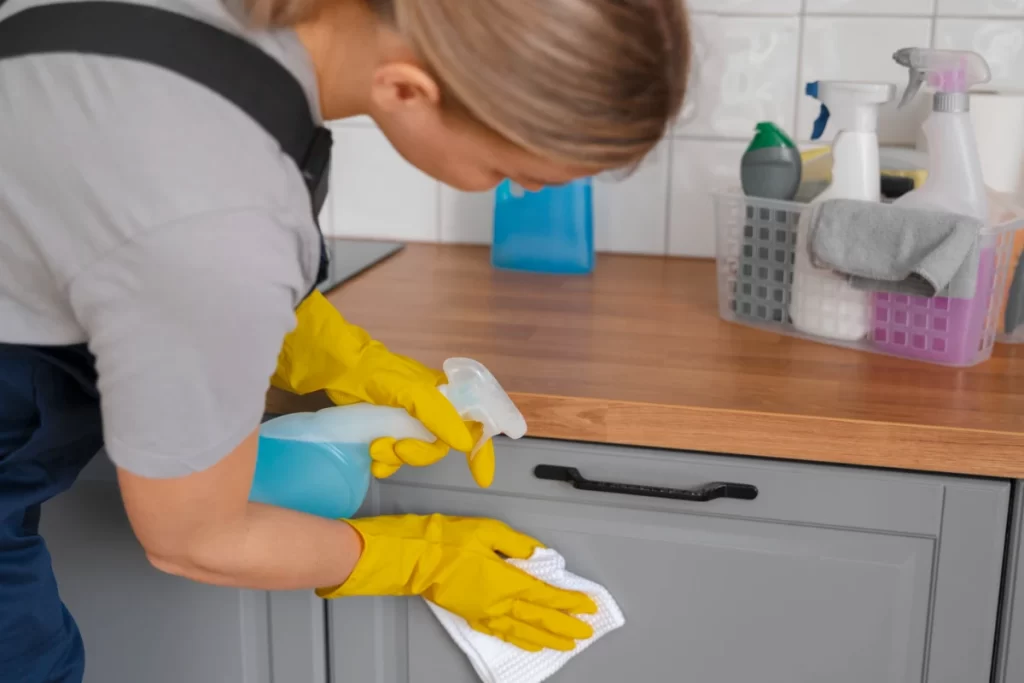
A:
<point x="771" y="166"/>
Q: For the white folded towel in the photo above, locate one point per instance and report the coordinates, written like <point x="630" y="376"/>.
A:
<point x="495" y="661"/>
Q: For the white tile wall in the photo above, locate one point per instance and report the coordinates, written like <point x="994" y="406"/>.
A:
<point x="630" y="215"/>
<point x="375" y="193"/>
<point x="699" y="167"/>
<point x="747" y="74"/>
<point x="995" y="8"/>
<point x="1000" y="41"/>
<point x="759" y="7"/>
<point x="872" y="7"/>
<point x="466" y="217"/>
<point x="836" y="47"/>
<point x="754" y="58"/>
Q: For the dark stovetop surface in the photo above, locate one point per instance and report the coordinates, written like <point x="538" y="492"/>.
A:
<point x="350" y="257"/>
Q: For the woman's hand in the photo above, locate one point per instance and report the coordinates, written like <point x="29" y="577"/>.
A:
<point x="325" y="352"/>
<point x="459" y="564"/>
<point x="390" y="454"/>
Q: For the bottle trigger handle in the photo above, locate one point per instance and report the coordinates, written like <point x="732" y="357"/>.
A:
<point x="820" y="123"/>
<point x="916" y="76"/>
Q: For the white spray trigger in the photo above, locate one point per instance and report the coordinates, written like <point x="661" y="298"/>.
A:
<point x="478" y="397"/>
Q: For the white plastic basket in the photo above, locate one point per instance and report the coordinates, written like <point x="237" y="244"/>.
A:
<point x="756" y="259"/>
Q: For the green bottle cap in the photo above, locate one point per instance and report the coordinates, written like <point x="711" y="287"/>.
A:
<point x="770" y="135"/>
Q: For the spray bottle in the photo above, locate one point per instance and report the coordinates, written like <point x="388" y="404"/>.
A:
<point x="823" y="303"/>
<point x="954" y="185"/>
<point x="319" y="463"/>
<point x="955" y="182"/>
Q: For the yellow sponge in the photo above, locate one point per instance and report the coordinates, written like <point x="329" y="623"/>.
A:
<point x="819" y="168"/>
<point x="811" y="154"/>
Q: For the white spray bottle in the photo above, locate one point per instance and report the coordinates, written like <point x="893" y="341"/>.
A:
<point x="319" y="463"/>
<point x="823" y="303"/>
<point x="955" y="183"/>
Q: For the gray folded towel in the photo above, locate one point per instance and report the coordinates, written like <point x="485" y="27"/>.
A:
<point x="888" y="248"/>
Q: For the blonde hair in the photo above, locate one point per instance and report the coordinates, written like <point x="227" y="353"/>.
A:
<point x="591" y="82"/>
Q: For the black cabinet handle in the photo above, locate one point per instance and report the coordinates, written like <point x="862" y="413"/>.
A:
<point x="702" y="494"/>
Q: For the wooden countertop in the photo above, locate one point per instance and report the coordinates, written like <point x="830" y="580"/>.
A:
<point x="636" y="354"/>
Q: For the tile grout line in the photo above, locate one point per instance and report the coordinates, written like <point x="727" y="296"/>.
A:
<point x="708" y="138"/>
<point x="801" y="37"/>
<point x="934" y="14"/>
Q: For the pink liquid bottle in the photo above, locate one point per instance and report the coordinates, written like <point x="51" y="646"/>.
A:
<point x="943" y="330"/>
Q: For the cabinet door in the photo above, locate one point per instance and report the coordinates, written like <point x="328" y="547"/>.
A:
<point x="141" y="625"/>
<point x="830" y="575"/>
<point x="1010" y="662"/>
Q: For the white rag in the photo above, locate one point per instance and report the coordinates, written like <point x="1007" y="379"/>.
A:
<point x="495" y="661"/>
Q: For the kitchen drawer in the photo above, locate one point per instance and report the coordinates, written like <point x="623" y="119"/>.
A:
<point x="829" y="574"/>
<point x="790" y="492"/>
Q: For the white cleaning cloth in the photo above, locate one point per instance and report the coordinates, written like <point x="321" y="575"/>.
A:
<point x="496" y="661"/>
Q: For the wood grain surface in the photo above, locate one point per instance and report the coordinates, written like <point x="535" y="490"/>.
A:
<point x="636" y="354"/>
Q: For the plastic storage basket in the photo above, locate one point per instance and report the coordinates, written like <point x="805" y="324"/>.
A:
<point x="756" y="254"/>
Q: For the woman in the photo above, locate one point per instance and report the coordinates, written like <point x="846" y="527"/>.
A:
<point x="155" y="244"/>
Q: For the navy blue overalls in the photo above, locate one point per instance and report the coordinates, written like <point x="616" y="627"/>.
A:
<point x="50" y="424"/>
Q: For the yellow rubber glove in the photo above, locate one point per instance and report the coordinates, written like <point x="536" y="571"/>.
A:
<point x="389" y="455"/>
<point x="457" y="563"/>
<point x="325" y="352"/>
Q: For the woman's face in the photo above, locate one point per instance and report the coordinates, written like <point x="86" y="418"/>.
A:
<point x="464" y="154"/>
<point x="447" y="143"/>
<point x="369" y="69"/>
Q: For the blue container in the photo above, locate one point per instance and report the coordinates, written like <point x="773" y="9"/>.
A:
<point x="550" y="231"/>
<point x="324" y="479"/>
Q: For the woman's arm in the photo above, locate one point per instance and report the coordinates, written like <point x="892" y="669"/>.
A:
<point x="185" y="321"/>
<point x="203" y="528"/>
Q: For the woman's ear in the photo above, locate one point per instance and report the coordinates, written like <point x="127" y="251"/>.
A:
<point x="402" y="86"/>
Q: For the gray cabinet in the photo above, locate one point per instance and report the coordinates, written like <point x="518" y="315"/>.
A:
<point x="830" y="574"/>
<point x="1010" y="662"/>
<point x="141" y="625"/>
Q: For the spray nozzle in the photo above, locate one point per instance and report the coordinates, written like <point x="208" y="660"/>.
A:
<point x="948" y="71"/>
<point x="853" y="103"/>
<point x="477" y="396"/>
<point x="821" y="122"/>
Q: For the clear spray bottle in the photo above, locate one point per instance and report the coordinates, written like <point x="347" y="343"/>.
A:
<point x="319" y="463"/>
<point x="823" y="303"/>
<point x="955" y="182"/>
<point x="954" y="185"/>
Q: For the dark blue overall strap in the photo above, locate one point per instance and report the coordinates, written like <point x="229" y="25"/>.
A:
<point x="225" y="63"/>
<point x="229" y="65"/>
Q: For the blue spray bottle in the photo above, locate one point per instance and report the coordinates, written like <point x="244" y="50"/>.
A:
<point x="319" y="463"/>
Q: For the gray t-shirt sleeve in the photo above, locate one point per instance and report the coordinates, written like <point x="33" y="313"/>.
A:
<point x="186" y="323"/>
